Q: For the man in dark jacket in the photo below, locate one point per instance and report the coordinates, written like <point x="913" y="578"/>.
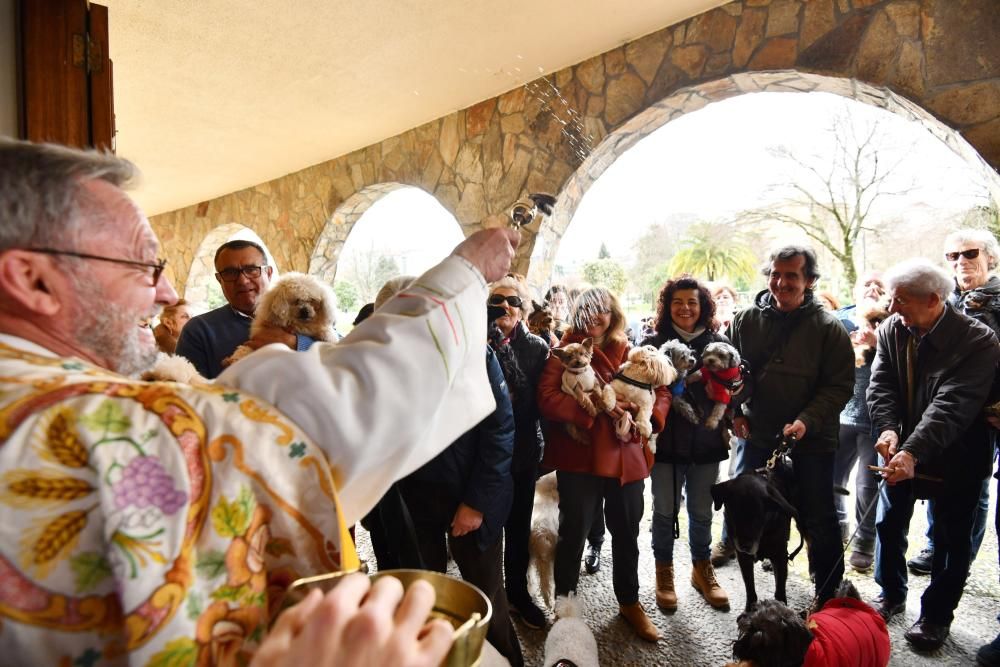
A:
<point x="465" y="493"/>
<point x="933" y="372"/>
<point x="802" y="366"/>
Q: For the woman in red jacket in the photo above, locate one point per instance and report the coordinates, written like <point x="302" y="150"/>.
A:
<point x="606" y="467"/>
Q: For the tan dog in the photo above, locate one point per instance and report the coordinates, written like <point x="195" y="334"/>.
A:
<point x="645" y="370"/>
<point x="542" y="323"/>
<point x="297" y="303"/>
<point x="581" y="382"/>
<point x="544" y="536"/>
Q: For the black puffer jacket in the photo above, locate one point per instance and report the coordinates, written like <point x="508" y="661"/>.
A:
<point x="531" y="353"/>
<point x="803" y="368"/>
<point x="982" y="303"/>
<point x="681" y="441"/>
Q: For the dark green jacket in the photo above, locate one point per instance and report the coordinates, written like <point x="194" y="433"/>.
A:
<point x="802" y="366"/>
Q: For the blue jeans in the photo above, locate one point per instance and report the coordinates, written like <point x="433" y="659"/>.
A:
<point x="698" y="480"/>
<point x="857" y="446"/>
<point x="817" y="512"/>
<point x="978" y="522"/>
<point x="954" y="515"/>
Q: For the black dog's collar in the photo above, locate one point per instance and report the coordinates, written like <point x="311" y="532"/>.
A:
<point x="635" y="383"/>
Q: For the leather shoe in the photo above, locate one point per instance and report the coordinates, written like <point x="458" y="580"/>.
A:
<point x="592" y="559"/>
<point x="926" y="636"/>
<point x="887" y="609"/>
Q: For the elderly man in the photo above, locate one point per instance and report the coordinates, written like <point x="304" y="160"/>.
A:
<point x="154" y="522"/>
<point x="933" y="372"/>
<point x="242" y="271"/>
<point x="803" y="372"/>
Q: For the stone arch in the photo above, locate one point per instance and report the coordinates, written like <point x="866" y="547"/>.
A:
<point x="693" y="98"/>
<point x="201" y="274"/>
<point x="330" y="244"/>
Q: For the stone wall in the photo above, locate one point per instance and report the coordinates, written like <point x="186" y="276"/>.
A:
<point x="942" y="55"/>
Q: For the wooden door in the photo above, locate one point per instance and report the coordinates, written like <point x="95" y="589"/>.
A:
<point x="66" y="73"/>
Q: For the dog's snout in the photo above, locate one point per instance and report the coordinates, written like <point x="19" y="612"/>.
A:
<point x="305" y="312"/>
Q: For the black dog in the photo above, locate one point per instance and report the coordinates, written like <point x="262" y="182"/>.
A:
<point x="759" y="509"/>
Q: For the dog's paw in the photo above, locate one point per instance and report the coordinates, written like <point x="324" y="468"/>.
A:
<point x="712" y="423"/>
<point x="645" y="429"/>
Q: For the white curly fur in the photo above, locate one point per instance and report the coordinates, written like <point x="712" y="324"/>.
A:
<point x="297" y="303"/>
<point x="645" y="364"/>
<point x="173" y="368"/>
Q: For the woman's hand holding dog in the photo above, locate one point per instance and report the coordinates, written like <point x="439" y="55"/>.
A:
<point x="621" y="407"/>
<point x="269" y="335"/>
<point x="466" y="520"/>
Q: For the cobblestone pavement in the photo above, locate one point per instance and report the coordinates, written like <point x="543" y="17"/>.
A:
<point x="698" y="635"/>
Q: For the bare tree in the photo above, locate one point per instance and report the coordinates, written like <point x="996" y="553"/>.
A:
<point x="368" y="269"/>
<point x="829" y="194"/>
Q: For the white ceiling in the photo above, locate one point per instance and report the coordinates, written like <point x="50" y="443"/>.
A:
<point x="212" y="96"/>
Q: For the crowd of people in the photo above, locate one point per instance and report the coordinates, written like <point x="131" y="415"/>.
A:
<point x="154" y="519"/>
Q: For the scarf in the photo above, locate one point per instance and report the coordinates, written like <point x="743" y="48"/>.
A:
<point x="686" y="336"/>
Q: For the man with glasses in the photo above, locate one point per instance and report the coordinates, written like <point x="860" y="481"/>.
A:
<point x="934" y="370"/>
<point x="242" y="271"/>
<point x="150" y="522"/>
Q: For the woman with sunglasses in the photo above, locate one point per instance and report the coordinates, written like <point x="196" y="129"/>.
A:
<point x="522" y="356"/>
<point x="971" y="254"/>
<point x="606" y="467"/>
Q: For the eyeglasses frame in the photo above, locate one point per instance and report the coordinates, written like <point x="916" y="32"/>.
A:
<point x="242" y="271"/>
<point x="157" y="267"/>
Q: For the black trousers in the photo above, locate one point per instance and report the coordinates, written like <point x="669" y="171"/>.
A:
<point x="954" y="513"/>
<point x="517" y="530"/>
<point x="623" y="507"/>
<point x="432" y="512"/>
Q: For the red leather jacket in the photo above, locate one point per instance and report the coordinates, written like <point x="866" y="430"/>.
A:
<point x="606" y="455"/>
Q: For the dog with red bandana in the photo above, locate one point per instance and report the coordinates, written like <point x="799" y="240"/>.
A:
<point x="723" y="378"/>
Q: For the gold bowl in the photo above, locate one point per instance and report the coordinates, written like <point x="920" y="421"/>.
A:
<point x="460" y="603"/>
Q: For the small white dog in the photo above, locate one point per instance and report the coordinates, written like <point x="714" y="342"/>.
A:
<point x="636" y="381"/>
<point x="570" y="639"/>
<point x="544" y="536"/>
<point x="174" y="368"/>
<point x="723" y="378"/>
<point x="297" y="303"/>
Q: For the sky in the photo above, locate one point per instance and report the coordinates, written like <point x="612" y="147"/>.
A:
<point x="708" y="163"/>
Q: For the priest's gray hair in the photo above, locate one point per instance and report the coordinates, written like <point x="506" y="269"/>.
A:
<point x="980" y="237"/>
<point x="42" y="201"/>
<point x="920" y="277"/>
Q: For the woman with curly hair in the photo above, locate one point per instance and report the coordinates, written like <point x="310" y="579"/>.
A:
<point x="687" y="453"/>
<point x="605" y="467"/>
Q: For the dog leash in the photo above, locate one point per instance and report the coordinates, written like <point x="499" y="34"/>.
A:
<point x="864" y="516"/>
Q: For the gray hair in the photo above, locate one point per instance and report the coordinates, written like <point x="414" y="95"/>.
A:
<point x="42" y="202"/>
<point x="980" y="237"/>
<point x="920" y="277"/>
<point x="515" y="282"/>
<point x="810" y="269"/>
<point x="392" y="287"/>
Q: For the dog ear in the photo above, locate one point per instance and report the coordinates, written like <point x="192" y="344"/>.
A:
<point x="560" y="353"/>
<point x="588" y="344"/>
<point x="719" y="494"/>
<point x="536" y="307"/>
<point x="779" y="500"/>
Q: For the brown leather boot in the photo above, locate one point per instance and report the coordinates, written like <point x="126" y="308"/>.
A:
<point x="666" y="597"/>
<point x="637" y="618"/>
<point x="704" y="581"/>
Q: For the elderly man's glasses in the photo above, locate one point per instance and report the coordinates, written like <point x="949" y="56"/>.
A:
<point x="971" y="253"/>
<point x="498" y="299"/>
<point x="231" y="274"/>
<point x="157" y="267"/>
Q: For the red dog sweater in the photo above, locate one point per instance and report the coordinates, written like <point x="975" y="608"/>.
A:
<point x="847" y="633"/>
<point x="720" y="385"/>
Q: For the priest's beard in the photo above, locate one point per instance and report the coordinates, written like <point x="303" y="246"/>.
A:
<point x="111" y="331"/>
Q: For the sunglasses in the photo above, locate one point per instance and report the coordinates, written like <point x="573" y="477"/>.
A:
<point x="498" y="299"/>
<point x="971" y="253"/>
